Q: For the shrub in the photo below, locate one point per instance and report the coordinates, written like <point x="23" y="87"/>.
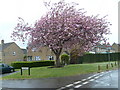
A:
<point x="19" y="64"/>
<point x="64" y="59"/>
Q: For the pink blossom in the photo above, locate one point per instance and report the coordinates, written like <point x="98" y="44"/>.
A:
<point x="62" y="28"/>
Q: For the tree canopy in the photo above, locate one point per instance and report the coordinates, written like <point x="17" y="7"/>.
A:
<point x="63" y="27"/>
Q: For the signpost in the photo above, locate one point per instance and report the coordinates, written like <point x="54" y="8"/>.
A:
<point x="25" y="68"/>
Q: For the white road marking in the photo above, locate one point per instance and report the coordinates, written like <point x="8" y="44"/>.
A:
<point x="78" y="86"/>
<point x="97" y="77"/>
<point x="77" y="82"/>
<point x="101" y="75"/>
<point x="61" y="88"/>
<point x="83" y="79"/>
<point x="69" y="85"/>
<point x="91" y="79"/>
<point x="85" y="83"/>
<point x="92" y="76"/>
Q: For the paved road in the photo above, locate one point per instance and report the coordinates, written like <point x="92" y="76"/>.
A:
<point x="107" y="79"/>
<point x="100" y="80"/>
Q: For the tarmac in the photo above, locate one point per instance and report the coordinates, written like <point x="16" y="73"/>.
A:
<point x="108" y="80"/>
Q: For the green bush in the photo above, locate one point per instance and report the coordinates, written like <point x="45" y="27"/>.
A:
<point x="19" y="64"/>
<point x="64" y="59"/>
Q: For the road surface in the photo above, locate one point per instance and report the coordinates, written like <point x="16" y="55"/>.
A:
<point x="107" y="79"/>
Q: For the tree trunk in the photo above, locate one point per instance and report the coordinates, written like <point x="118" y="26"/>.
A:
<point x="57" y="61"/>
<point x="57" y="53"/>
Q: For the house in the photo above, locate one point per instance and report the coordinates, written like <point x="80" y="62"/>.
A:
<point x="24" y="51"/>
<point x="43" y="53"/>
<point x="116" y="47"/>
<point x="10" y="52"/>
<point x="103" y="48"/>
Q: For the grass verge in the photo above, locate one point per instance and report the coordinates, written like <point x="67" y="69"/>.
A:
<point x="69" y="70"/>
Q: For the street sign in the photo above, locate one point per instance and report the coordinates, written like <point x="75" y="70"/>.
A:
<point x="25" y="68"/>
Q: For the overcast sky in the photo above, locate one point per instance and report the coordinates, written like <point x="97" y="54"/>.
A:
<point x="31" y="10"/>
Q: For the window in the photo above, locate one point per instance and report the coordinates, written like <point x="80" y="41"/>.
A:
<point x="50" y="58"/>
<point x="5" y="65"/>
<point x="29" y="58"/>
<point x="34" y="49"/>
<point x="37" y="58"/>
<point x="14" y="53"/>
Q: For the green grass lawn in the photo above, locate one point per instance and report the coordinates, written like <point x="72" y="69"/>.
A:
<point x="69" y="70"/>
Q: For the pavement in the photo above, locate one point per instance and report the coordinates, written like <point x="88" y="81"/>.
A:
<point x="108" y="79"/>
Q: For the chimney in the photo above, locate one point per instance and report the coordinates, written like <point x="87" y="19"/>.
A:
<point x="2" y="42"/>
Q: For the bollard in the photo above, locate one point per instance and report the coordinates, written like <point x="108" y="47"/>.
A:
<point x="111" y="65"/>
<point x="21" y="71"/>
<point x="118" y="63"/>
<point x="115" y="63"/>
<point x="29" y="71"/>
<point x="107" y="67"/>
<point x="98" y="68"/>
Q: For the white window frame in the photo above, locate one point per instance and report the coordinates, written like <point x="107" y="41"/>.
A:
<point x="37" y="58"/>
<point x="14" y="53"/>
<point x="50" y="57"/>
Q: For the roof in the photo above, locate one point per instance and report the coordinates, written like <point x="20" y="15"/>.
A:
<point x="116" y="44"/>
<point x="103" y="46"/>
<point x="24" y="51"/>
<point x="5" y="45"/>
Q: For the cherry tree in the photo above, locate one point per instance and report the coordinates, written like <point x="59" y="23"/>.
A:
<point x="63" y="27"/>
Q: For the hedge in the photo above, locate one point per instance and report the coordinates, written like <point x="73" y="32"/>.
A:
<point x="65" y="59"/>
<point x="19" y="64"/>
<point x="91" y="58"/>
